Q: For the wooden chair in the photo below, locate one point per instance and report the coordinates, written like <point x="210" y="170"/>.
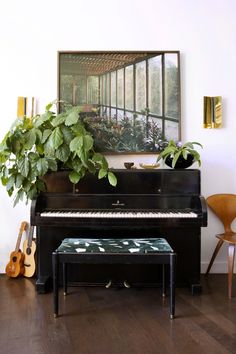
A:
<point x="224" y="206"/>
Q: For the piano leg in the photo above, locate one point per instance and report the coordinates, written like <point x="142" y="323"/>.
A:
<point x="43" y="284"/>
<point x="196" y="288"/>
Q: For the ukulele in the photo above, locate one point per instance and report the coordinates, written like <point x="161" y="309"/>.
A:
<point x="29" y="248"/>
<point x="15" y="266"/>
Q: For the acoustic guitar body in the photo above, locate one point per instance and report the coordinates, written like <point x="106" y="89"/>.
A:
<point x="29" y="261"/>
<point x="15" y="266"/>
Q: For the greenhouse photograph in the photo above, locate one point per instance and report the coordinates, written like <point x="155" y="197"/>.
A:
<point x="129" y="101"/>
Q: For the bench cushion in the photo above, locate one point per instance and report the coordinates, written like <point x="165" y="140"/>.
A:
<point x="114" y="245"/>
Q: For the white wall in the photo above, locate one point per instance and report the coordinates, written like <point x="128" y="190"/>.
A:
<point x="31" y="33"/>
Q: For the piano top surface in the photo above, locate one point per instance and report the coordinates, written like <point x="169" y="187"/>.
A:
<point x="133" y="181"/>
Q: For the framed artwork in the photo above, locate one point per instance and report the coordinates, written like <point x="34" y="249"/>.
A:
<point x="129" y="100"/>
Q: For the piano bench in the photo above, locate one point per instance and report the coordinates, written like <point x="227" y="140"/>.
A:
<point x="114" y="251"/>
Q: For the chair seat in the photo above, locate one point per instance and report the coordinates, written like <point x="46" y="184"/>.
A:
<point x="229" y="237"/>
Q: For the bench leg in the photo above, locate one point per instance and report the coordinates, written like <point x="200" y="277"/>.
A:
<point x="55" y="268"/>
<point x="65" y="278"/>
<point x="172" y="285"/>
<point x="163" y="281"/>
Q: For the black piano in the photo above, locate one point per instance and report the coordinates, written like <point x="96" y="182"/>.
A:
<point x="145" y="203"/>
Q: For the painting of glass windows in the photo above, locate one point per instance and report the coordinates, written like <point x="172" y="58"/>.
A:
<point x="129" y="101"/>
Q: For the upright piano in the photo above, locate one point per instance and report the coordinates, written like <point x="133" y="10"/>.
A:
<point x="145" y="203"/>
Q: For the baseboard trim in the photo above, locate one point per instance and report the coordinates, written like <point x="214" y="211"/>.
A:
<point x="217" y="267"/>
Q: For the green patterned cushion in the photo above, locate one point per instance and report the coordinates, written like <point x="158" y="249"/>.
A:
<point x="114" y="245"/>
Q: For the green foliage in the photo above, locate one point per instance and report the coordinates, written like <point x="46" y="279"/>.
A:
<point x="44" y="143"/>
<point x="177" y="150"/>
<point x="125" y="135"/>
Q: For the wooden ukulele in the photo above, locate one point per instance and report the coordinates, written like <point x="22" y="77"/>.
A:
<point x="29" y="248"/>
<point x="15" y="266"/>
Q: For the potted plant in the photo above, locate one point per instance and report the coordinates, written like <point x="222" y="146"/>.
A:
<point x="48" y="142"/>
<point x="178" y="155"/>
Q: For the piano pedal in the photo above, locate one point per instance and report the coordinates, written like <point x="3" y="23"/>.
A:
<point x="126" y="284"/>
<point x="109" y="284"/>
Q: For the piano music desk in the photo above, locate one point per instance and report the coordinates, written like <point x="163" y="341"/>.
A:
<point x="114" y="251"/>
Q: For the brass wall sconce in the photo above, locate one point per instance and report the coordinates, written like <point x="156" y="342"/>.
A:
<point x="212" y="112"/>
<point x="26" y="107"/>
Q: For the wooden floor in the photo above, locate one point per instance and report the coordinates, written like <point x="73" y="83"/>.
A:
<point x="116" y="321"/>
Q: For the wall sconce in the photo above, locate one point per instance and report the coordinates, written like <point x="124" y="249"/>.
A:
<point x="212" y="112"/>
<point x="26" y="107"/>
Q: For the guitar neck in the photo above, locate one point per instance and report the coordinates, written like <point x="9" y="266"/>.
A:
<point x="22" y="229"/>
<point x="30" y="238"/>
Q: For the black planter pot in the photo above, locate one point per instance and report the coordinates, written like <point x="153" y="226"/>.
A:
<point x="181" y="162"/>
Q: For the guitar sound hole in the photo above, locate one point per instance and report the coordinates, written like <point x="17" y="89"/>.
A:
<point x="28" y="250"/>
<point x="14" y="258"/>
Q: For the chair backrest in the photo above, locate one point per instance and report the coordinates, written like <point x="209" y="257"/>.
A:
<point x="224" y="206"/>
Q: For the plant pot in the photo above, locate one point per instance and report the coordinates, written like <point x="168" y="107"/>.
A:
<point x="181" y="162"/>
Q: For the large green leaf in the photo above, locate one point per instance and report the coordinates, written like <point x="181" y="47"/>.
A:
<point x="43" y="118"/>
<point x="40" y="185"/>
<point x="56" y="138"/>
<point x="83" y="155"/>
<point x="97" y="158"/>
<point x="104" y="163"/>
<point x="30" y="138"/>
<point x="175" y="158"/>
<point x="4" y="181"/>
<point x="58" y="120"/>
<point x="19" y="196"/>
<point x="26" y="185"/>
<point x="102" y="173"/>
<point x="32" y="156"/>
<point x="88" y="142"/>
<point x="52" y="164"/>
<point x="24" y="166"/>
<point x="46" y="134"/>
<point x="100" y="160"/>
<point x="63" y="153"/>
<point x="72" y="118"/>
<point x="67" y="134"/>
<point x="16" y="145"/>
<point x="78" y="129"/>
<point x="185" y="154"/>
<point x="76" y="143"/>
<point x="32" y="192"/>
<point x="77" y="164"/>
<point x="40" y="149"/>
<point x="10" y="183"/>
<point x="49" y="106"/>
<point x="74" y="177"/>
<point x="91" y="166"/>
<point x="39" y="135"/>
<point x="42" y="166"/>
<point x="112" y="179"/>
<point x="48" y="148"/>
<point x="19" y="180"/>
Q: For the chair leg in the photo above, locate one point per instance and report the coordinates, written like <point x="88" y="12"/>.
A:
<point x="231" y="256"/>
<point x="218" y="246"/>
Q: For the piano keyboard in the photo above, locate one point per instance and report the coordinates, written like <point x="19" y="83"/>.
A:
<point x="118" y="214"/>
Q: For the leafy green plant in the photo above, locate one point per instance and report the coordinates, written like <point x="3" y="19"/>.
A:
<point x="177" y="151"/>
<point x="125" y="135"/>
<point x="48" y="142"/>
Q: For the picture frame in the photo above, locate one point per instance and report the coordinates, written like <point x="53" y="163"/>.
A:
<point x="129" y="100"/>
